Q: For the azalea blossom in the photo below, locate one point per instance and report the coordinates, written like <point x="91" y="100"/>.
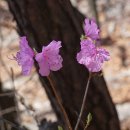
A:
<point x="25" y="56"/>
<point x="49" y="59"/>
<point x="91" y="29"/>
<point x="91" y="56"/>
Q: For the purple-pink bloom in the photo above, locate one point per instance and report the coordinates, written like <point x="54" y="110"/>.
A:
<point x="91" y="56"/>
<point x="91" y="29"/>
<point x="25" y="56"/>
<point x="49" y="58"/>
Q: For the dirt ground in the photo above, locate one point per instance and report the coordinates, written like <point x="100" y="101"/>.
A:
<point x="114" y="20"/>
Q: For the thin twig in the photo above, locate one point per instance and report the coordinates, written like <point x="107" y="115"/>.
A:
<point x="22" y="100"/>
<point x="7" y="110"/>
<point x="83" y="103"/>
<point x="12" y="124"/>
<point x="16" y="102"/>
<point x="6" y="94"/>
<point x="82" y="123"/>
<point x="86" y="127"/>
<point x="2" y="125"/>
<point x="60" y="104"/>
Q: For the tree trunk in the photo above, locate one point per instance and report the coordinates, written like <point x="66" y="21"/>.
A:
<point x="44" y="20"/>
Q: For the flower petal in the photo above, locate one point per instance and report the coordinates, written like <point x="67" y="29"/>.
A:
<point x="55" y="63"/>
<point x="104" y="55"/>
<point x="44" y="69"/>
<point x="25" y="47"/>
<point x="88" y="47"/>
<point x="53" y="47"/>
<point x="91" y="29"/>
<point x="27" y="66"/>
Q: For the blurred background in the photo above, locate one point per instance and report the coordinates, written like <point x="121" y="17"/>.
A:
<point x="113" y="17"/>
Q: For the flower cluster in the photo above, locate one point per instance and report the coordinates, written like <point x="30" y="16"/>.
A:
<point x="90" y="55"/>
<point x="49" y="59"/>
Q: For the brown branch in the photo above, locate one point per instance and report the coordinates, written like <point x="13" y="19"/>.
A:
<point x="60" y="104"/>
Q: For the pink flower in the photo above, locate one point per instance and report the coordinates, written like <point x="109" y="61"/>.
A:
<point x="91" y="56"/>
<point x="49" y="58"/>
<point x="25" y="56"/>
<point x="91" y="29"/>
